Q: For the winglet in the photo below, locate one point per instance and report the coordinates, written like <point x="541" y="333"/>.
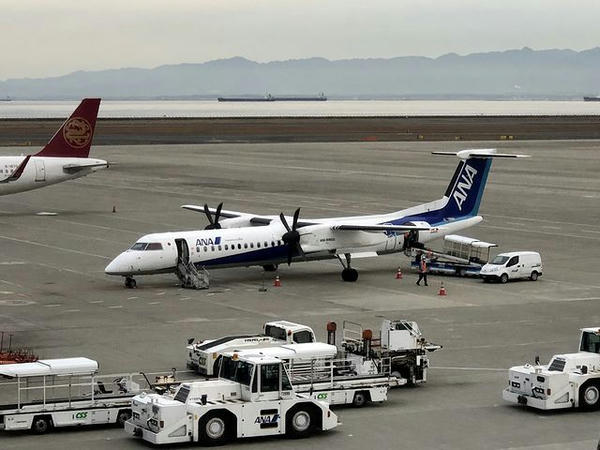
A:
<point x="74" y="137"/>
<point x="480" y="153"/>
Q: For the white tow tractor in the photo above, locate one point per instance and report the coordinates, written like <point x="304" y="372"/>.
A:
<point x="315" y="371"/>
<point x="254" y="398"/>
<point x="570" y="380"/>
<point x="64" y="392"/>
<point x="203" y="356"/>
<point x="461" y="256"/>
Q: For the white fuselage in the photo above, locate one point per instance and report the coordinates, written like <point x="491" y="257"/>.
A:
<point x="262" y="245"/>
<point x="43" y="171"/>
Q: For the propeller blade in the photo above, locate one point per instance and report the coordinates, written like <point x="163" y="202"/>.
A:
<point x="284" y="222"/>
<point x="218" y="212"/>
<point x="208" y="214"/>
<point x="295" y="221"/>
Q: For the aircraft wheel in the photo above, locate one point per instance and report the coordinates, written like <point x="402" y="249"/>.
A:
<point x="130" y="283"/>
<point x="270" y="267"/>
<point x="349" y="275"/>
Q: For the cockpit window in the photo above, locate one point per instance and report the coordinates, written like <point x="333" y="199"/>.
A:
<point x="154" y="246"/>
<point x="139" y="246"/>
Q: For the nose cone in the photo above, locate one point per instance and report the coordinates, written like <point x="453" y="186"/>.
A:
<point x="119" y="266"/>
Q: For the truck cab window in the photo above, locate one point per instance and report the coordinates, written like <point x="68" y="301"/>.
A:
<point x="269" y="377"/>
<point x="590" y="342"/>
<point x="302" y="337"/>
<point x="275" y="332"/>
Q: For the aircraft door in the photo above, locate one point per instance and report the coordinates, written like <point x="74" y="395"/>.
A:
<point x="40" y="170"/>
<point x="183" y="251"/>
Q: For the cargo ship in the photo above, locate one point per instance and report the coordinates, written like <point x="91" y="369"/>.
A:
<point x="591" y="99"/>
<point x="271" y="98"/>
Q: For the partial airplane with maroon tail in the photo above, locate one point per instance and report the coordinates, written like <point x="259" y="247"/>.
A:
<point x="65" y="157"/>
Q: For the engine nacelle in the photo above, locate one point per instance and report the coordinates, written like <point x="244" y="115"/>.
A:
<point x="317" y="238"/>
<point x="236" y="222"/>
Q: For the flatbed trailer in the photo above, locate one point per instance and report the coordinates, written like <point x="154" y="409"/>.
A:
<point x="325" y="377"/>
<point x="64" y="392"/>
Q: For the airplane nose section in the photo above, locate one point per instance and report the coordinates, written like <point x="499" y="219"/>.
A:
<point x="118" y="266"/>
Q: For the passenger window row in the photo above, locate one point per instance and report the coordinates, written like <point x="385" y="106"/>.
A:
<point x="238" y="246"/>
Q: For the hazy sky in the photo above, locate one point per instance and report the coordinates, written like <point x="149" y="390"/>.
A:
<point x="41" y="38"/>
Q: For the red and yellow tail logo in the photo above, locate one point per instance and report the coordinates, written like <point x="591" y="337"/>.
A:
<point x="77" y="132"/>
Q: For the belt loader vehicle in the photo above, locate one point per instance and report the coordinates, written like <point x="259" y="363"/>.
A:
<point x="64" y="392"/>
<point x="253" y="398"/>
<point x="570" y="380"/>
<point x="203" y="356"/>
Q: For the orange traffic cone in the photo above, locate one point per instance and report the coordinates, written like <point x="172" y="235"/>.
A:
<point x="276" y="282"/>
<point x="399" y="274"/>
<point x="442" y="290"/>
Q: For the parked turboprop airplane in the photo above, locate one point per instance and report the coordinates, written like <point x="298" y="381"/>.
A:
<point x="64" y="158"/>
<point x="244" y="239"/>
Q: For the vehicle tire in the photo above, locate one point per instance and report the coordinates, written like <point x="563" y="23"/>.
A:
<point x="299" y="422"/>
<point x="589" y="396"/>
<point x="350" y="275"/>
<point x="214" y="429"/>
<point x="533" y="276"/>
<point x="41" y="424"/>
<point x="486" y="279"/>
<point x="123" y="416"/>
<point x="361" y="398"/>
<point x="460" y="272"/>
<point x="503" y="278"/>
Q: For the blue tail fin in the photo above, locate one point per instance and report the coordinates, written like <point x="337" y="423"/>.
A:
<point x="465" y="190"/>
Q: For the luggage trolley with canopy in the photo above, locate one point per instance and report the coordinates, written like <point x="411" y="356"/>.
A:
<point x="63" y="392"/>
<point x="462" y="256"/>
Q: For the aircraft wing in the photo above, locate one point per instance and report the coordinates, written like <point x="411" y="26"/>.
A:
<point x="253" y="218"/>
<point x="73" y="168"/>
<point x="383" y="227"/>
<point x="17" y="172"/>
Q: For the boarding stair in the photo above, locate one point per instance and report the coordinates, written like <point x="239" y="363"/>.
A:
<point x="190" y="276"/>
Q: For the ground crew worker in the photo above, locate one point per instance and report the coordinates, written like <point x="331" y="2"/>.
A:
<point x="422" y="271"/>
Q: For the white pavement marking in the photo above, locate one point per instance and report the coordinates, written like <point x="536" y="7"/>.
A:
<point x="72" y="310"/>
<point x="12" y="263"/>
<point x="54" y="305"/>
<point x="54" y="247"/>
<point x="488" y="369"/>
<point x="115" y="306"/>
<point x="154" y="303"/>
<point x="97" y="301"/>
<point x="131" y="298"/>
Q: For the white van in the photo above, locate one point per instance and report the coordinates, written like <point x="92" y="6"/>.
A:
<point x="513" y="265"/>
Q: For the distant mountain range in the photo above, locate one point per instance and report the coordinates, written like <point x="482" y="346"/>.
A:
<point x="523" y="73"/>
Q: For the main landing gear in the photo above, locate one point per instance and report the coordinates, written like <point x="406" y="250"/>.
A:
<point x="130" y="282"/>
<point x="348" y="273"/>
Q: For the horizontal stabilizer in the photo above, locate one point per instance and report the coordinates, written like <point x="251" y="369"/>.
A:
<point x="73" y="168"/>
<point x="481" y="153"/>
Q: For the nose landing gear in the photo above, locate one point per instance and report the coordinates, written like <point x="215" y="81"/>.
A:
<point x="348" y="273"/>
<point x="130" y="282"/>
